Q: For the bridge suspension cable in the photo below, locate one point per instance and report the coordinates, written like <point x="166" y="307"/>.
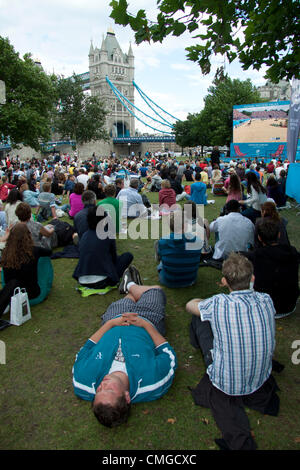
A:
<point x="133" y="110"/>
<point x="146" y="98"/>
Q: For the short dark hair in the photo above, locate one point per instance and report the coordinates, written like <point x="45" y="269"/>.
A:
<point x="232" y="206"/>
<point x="93" y="219"/>
<point x="110" y="190"/>
<point x="14" y="195"/>
<point x="88" y="197"/>
<point x="46" y="187"/>
<point x="112" y="416"/>
<point x="282" y="173"/>
<point x="23" y="212"/>
<point x="194" y="208"/>
<point x="78" y="188"/>
<point x="134" y="183"/>
<point x="268" y="230"/>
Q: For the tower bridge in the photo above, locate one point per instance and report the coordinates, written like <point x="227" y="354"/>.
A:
<point x="111" y="77"/>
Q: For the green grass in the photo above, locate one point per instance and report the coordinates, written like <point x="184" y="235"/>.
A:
<point x="38" y="409"/>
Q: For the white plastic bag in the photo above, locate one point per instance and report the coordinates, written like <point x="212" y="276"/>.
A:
<point x="19" y="307"/>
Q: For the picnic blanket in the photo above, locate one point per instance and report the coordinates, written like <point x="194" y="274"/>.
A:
<point x="69" y="251"/>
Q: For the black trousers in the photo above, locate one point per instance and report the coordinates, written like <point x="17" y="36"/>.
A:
<point x="123" y="261"/>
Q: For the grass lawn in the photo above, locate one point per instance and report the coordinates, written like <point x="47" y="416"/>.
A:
<point x="38" y="409"/>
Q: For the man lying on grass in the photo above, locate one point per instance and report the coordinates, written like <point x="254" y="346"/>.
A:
<point x="127" y="360"/>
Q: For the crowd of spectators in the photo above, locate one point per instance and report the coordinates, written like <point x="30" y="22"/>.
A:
<point x="248" y="242"/>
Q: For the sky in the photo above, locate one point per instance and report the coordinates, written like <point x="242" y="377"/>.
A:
<point x="59" y="34"/>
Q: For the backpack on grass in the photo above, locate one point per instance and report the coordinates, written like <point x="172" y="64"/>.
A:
<point x="64" y="232"/>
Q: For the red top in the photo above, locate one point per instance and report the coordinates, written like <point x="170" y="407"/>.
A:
<point x="167" y="196"/>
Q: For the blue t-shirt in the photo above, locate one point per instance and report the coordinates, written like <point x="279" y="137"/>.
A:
<point x="198" y="193"/>
<point x="143" y="171"/>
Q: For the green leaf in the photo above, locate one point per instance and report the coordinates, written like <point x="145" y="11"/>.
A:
<point x="178" y="28"/>
<point x="119" y="12"/>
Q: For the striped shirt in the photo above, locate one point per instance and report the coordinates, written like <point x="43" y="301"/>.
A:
<point x="243" y="327"/>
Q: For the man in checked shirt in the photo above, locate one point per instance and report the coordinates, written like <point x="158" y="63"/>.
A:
<point x="236" y="333"/>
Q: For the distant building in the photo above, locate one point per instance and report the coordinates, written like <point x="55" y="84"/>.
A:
<point x="280" y="91"/>
<point x="112" y="62"/>
<point x="38" y="63"/>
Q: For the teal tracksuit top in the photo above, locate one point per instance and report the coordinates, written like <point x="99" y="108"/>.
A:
<point x="150" y="369"/>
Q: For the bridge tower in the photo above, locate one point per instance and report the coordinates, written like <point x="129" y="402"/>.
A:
<point x="111" y="61"/>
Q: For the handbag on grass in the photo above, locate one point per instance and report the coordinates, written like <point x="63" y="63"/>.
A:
<point x="19" y="307"/>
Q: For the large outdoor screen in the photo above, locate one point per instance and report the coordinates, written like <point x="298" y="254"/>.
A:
<point x="260" y="122"/>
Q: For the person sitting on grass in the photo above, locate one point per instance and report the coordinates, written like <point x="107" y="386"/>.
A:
<point x="166" y="196"/>
<point x="5" y="187"/>
<point x="119" y="185"/>
<point x="111" y="204"/>
<point x="132" y="202"/>
<point x="69" y="186"/>
<point x="75" y="199"/>
<point x="198" y="191"/>
<point x="46" y="201"/>
<point x="275" y="268"/>
<point x="99" y="266"/>
<point x="42" y="236"/>
<point x="48" y="204"/>
<point x="274" y="192"/>
<point x="128" y="360"/>
<point x="269" y="211"/>
<point x="236" y="335"/>
<point x="89" y="200"/>
<point x="196" y="224"/>
<point x="13" y="200"/>
<point x="179" y="254"/>
<point x="234" y="188"/>
<point x="19" y="262"/>
<point x="30" y="197"/>
<point x="233" y="232"/>
<point x="217" y="181"/>
<point x="256" y="197"/>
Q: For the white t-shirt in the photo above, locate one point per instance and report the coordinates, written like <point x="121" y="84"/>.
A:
<point x="118" y="363"/>
<point x="82" y="178"/>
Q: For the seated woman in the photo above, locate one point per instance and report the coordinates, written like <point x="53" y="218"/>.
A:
<point x="234" y="188"/>
<point x="42" y="236"/>
<point x="95" y="185"/>
<point x="13" y="200"/>
<point x="166" y="197"/>
<point x="5" y="187"/>
<point x="75" y="200"/>
<point x="274" y="192"/>
<point x="58" y="183"/>
<point x="269" y="211"/>
<point x="217" y="181"/>
<point x="20" y="265"/>
<point x="99" y="266"/>
<point x="282" y="181"/>
<point x="256" y="197"/>
<point x="28" y="196"/>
